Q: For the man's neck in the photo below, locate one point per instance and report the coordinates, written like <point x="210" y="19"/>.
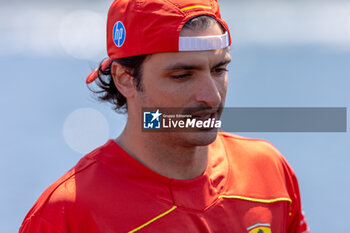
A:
<point x="168" y="159"/>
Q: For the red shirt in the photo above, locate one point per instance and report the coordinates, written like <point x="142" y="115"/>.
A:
<point x="247" y="187"/>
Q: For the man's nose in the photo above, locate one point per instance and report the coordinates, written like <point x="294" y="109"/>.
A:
<point x="207" y="91"/>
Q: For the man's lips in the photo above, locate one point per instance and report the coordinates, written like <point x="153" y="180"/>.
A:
<point x="204" y="115"/>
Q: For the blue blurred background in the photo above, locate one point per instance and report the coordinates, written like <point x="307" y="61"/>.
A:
<point x="285" y="54"/>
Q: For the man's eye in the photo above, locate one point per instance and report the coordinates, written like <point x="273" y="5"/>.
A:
<point x="180" y="76"/>
<point x="220" y="71"/>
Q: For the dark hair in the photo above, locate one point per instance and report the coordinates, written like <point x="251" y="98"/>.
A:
<point x="109" y="92"/>
<point x="201" y="22"/>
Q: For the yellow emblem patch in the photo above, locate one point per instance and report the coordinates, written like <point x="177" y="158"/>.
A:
<point x="259" y="228"/>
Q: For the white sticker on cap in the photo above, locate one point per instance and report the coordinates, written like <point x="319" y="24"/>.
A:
<point x="199" y="43"/>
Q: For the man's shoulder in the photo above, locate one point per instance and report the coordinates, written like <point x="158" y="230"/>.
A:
<point x="256" y="168"/>
<point x="63" y="193"/>
<point x="79" y="190"/>
<point x="249" y="148"/>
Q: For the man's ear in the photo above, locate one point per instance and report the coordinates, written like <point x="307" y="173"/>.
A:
<point x="123" y="80"/>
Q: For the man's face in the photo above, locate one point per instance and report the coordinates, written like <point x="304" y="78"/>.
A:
<point x="187" y="80"/>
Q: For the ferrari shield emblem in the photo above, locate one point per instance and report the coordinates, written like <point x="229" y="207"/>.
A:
<point x="259" y="228"/>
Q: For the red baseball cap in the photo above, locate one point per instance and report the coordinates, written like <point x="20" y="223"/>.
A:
<point x="138" y="27"/>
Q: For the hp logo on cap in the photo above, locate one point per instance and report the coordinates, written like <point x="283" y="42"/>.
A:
<point x="119" y="34"/>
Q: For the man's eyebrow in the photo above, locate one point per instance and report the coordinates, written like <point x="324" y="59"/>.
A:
<point x="222" y="63"/>
<point x="183" y="66"/>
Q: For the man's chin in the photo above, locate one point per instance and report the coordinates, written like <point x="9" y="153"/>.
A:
<point x="201" y="137"/>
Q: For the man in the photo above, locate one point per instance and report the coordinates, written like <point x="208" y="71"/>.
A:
<point x="170" y="54"/>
